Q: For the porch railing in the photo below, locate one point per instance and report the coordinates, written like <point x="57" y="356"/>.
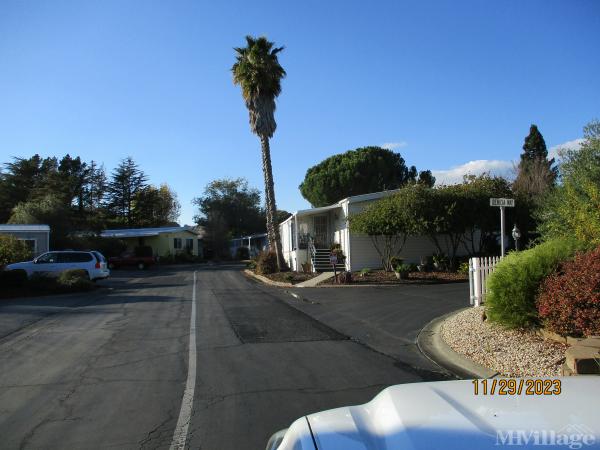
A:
<point x="313" y="252"/>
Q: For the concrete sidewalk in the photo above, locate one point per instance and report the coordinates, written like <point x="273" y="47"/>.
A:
<point x="316" y="280"/>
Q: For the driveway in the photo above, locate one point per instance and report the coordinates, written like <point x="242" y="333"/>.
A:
<point x="109" y="370"/>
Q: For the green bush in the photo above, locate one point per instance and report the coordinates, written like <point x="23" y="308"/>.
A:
<point x="463" y="269"/>
<point x="395" y="262"/>
<point x="514" y="285"/>
<point x="13" y="250"/>
<point x="364" y="272"/>
<point x="403" y="268"/>
<point x="266" y="263"/>
<point x="75" y="279"/>
<point x="13" y="278"/>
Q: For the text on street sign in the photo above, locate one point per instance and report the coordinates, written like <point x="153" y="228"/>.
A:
<point x="508" y="202"/>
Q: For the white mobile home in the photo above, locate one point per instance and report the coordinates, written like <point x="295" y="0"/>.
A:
<point x="308" y="235"/>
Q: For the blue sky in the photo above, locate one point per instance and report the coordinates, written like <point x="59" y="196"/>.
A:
<point x="445" y="83"/>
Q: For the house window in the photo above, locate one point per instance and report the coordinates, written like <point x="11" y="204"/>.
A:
<point x="189" y="245"/>
<point x="31" y="245"/>
<point x="177" y="243"/>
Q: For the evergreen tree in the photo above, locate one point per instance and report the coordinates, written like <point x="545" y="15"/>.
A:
<point x="535" y="173"/>
<point x="96" y="187"/>
<point x="127" y="181"/>
<point x="534" y="146"/>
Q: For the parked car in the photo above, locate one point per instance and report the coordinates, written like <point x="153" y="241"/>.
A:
<point x="53" y="263"/>
<point x="139" y="259"/>
<point x="451" y="415"/>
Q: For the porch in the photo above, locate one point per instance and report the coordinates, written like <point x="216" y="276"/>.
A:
<point x="307" y="237"/>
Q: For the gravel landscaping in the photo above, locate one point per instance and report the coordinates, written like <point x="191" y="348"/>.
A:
<point x="510" y="352"/>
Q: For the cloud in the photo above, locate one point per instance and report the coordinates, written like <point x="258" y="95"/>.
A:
<point x="575" y="144"/>
<point x="394" y="145"/>
<point x="455" y="174"/>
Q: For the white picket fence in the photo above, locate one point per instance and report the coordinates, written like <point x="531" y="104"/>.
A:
<point x="479" y="271"/>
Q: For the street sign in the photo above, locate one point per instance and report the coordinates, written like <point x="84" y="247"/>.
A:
<point x="502" y="203"/>
<point x="508" y="202"/>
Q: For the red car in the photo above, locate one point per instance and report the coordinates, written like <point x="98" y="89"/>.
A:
<point x="130" y="259"/>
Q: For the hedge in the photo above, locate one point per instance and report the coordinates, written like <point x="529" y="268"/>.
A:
<point x="569" y="301"/>
<point x="514" y="285"/>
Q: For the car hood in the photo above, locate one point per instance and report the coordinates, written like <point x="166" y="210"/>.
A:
<point x="449" y="415"/>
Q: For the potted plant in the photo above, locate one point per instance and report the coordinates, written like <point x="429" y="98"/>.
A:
<point x="395" y="261"/>
<point x="401" y="271"/>
<point x="440" y="262"/>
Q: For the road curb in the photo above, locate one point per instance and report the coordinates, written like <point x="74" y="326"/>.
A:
<point x="265" y="280"/>
<point x="433" y="346"/>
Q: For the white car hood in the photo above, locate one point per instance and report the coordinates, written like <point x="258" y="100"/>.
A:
<point x="448" y="415"/>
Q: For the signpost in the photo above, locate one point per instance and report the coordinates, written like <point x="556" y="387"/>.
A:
<point x="502" y="203"/>
<point x="333" y="261"/>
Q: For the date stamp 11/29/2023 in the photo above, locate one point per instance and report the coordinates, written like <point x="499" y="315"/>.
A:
<point x="515" y="386"/>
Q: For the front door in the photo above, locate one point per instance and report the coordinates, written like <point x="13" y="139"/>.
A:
<point x="321" y="231"/>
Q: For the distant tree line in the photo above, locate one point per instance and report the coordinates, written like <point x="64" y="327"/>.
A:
<point x="72" y="195"/>
<point x="230" y="208"/>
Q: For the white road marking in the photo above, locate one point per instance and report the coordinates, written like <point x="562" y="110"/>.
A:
<point x="185" y="414"/>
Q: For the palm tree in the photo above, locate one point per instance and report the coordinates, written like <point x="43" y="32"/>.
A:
<point x="258" y="72"/>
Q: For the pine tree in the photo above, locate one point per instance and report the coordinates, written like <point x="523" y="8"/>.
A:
<point x="127" y="181"/>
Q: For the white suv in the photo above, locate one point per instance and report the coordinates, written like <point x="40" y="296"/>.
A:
<point x="53" y="263"/>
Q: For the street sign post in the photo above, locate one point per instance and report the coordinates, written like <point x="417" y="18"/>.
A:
<point x="333" y="261"/>
<point x="502" y="203"/>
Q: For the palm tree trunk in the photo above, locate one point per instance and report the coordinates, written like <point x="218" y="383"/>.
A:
<point x="272" y="225"/>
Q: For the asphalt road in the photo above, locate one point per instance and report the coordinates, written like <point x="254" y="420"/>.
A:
<point x="109" y="369"/>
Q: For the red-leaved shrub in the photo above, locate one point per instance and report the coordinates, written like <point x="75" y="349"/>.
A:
<point x="569" y="300"/>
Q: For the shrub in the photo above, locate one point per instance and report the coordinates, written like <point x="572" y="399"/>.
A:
<point x="75" y="279"/>
<point x="364" y="272"/>
<point x="403" y="268"/>
<point x="12" y="250"/>
<point x="395" y="262"/>
<point x="266" y="263"/>
<point x="569" y="301"/>
<point x="13" y="278"/>
<point x="251" y="265"/>
<point x="463" y="269"/>
<point x="514" y="285"/>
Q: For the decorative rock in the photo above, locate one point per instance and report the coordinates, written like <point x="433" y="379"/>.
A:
<point x="583" y="360"/>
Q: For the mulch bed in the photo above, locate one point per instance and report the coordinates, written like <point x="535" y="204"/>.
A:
<point x="382" y="277"/>
<point x="296" y="277"/>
